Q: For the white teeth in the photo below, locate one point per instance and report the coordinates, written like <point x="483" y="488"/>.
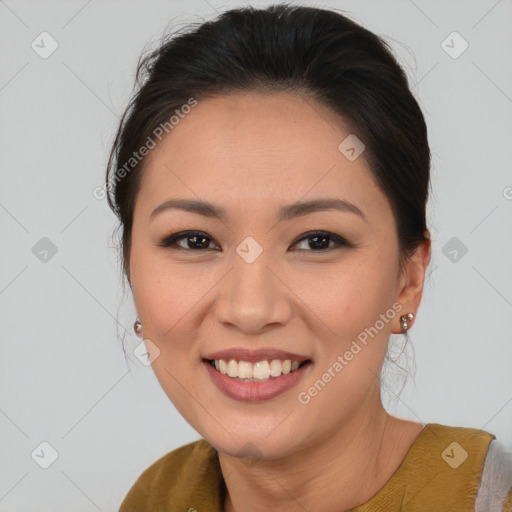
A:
<point x="233" y="368"/>
<point x="245" y="370"/>
<point x="275" y="367"/>
<point x="262" y="370"/>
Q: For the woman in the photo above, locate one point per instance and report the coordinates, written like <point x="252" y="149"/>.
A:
<point x="271" y="177"/>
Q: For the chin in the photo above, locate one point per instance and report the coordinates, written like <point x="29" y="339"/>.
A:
<point x="247" y="442"/>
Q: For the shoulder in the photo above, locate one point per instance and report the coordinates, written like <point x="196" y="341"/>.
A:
<point x="453" y="446"/>
<point x="182" y="472"/>
<point x="447" y="447"/>
<point x="441" y="471"/>
<point x="468" y="465"/>
<point x="438" y="432"/>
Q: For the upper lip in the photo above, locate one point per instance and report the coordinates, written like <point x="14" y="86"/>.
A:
<point x="254" y="356"/>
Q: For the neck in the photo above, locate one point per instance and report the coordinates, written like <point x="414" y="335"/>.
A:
<point x="342" y="471"/>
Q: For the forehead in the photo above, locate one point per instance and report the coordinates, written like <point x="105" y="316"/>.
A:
<point x="251" y="125"/>
<point x="257" y="147"/>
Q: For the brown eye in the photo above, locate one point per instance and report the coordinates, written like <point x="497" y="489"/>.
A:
<point x="319" y="241"/>
<point x="193" y="241"/>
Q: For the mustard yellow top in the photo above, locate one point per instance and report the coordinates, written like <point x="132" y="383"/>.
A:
<point x="441" y="472"/>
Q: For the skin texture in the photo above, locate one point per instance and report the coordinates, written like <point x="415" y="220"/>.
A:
<point x="252" y="154"/>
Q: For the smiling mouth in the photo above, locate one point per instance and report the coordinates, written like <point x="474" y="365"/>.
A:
<point x="262" y="371"/>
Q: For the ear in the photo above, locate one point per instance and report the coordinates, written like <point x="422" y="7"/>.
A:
<point x="412" y="276"/>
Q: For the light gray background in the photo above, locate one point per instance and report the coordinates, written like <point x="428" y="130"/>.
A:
<point x="64" y="377"/>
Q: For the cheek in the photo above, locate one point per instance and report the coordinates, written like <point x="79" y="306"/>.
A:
<point x="163" y="293"/>
<point x="351" y="296"/>
<point x="352" y="350"/>
<point x="165" y="297"/>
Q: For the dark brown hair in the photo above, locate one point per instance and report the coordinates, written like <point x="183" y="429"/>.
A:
<point x="316" y="51"/>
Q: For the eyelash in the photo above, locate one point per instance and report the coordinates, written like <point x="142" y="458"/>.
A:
<point x="339" y="241"/>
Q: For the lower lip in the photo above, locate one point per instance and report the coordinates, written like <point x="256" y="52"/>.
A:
<point x="255" y="391"/>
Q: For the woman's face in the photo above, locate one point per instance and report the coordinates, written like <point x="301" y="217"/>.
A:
<point x="254" y="284"/>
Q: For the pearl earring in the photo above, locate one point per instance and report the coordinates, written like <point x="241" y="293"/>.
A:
<point x="405" y="319"/>
<point x="137" y="327"/>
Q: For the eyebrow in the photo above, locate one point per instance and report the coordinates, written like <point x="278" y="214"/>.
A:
<point x="288" y="212"/>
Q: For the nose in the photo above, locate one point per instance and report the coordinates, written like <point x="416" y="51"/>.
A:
<point x="253" y="298"/>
